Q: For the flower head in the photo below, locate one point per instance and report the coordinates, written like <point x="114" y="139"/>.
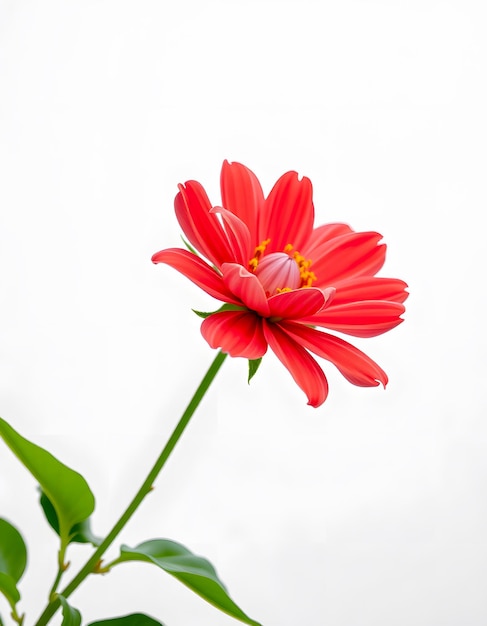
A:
<point x="284" y="278"/>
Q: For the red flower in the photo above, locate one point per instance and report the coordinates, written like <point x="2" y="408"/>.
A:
<point x="284" y="277"/>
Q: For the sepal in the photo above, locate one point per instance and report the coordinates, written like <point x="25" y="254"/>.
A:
<point x="254" y="365"/>
<point x="225" y="307"/>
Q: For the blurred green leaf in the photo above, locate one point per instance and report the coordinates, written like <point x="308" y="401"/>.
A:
<point x="71" y="616"/>
<point x="13" y="559"/>
<point x="67" y="490"/>
<point x="9" y="589"/>
<point x="135" y="619"/>
<point x="80" y="533"/>
<point x="194" y="571"/>
<point x="13" y="553"/>
<point x="253" y="367"/>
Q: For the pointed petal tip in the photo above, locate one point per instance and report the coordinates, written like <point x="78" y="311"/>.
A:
<point x="227" y="163"/>
<point x="316" y="403"/>
<point x="301" y="365"/>
<point x="155" y="257"/>
<point x="382" y="380"/>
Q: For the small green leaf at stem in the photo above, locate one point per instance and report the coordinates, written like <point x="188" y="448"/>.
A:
<point x="67" y="490"/>
<point x="13" y="553"/>
<point x="80" y="533"/>
<point x="71" y="616"/>
<point x="134" y="619"/>
<point x="193" y="571"/>
<point x="253" y="367"/>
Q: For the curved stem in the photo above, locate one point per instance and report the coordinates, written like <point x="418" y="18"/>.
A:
<point x="146" y="487"/>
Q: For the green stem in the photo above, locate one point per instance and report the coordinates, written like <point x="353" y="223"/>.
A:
<point x="146" y="487"/>
<point x="61" y="569"/>
<point x="52" y="593"/>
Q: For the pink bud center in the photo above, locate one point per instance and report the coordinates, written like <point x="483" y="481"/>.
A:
<point x="278" y="272"/>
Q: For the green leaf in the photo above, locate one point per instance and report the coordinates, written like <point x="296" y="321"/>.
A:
<point x="225" y="307"/>
<point x="9" y="589"/>
<point x="79" y="533"/>
<point x="71" y="616"/>
<point x="13" y="553"/>
<point x="135" y="619"/>
<point x="67" y="490"/>
<point x="253" y="367"/>
<point x="194" y="571"/>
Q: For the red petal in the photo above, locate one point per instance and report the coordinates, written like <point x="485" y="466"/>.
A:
<point x="245" y="286"/>
<point x="369" y="288"/>
<point x="288" y="213"/>
<point x="238" y="236"/>
<point x="348" y="256"/>
<point x="297" y="303"/>
<point x="242" y="195"/>
<point x="303" y="368"/>
<point x="357" y="367"/>
<point x="202" y="228"/>
<point x="239" y="333"/>
<point x="197" y="271"/>
<point x="361" y="319"/>
<point x="321" y="235"/>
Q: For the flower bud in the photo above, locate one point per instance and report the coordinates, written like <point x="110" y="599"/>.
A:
<point x="278" y="272"/>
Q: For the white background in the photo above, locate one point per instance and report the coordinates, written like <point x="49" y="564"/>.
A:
<point x="369" y="511"/>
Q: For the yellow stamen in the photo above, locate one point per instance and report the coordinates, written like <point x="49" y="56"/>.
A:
<point x="306" y="275"/>
<point x="283" y="289"/>
<point x="259" y="251"/>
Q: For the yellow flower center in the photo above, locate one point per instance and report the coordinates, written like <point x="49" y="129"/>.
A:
<point x="281" y="271"/>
